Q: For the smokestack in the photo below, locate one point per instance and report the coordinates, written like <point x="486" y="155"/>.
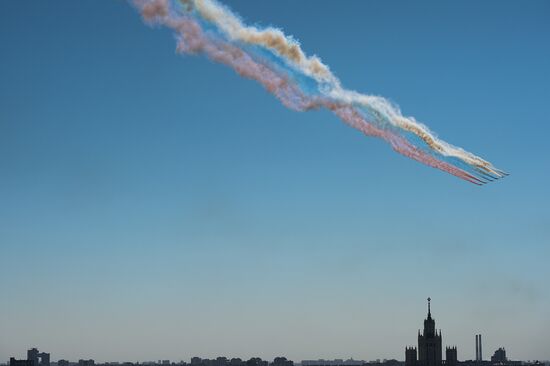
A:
<point x="480" y="349"/>
<point x="479" y="354"/>
<point x="477" y="350"/>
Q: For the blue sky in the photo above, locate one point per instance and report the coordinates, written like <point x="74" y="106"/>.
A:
<point x="158" y="206"/>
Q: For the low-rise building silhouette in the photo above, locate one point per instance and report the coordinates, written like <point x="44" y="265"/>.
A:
<point x="15" y="362"/>
<point x="38" y="358"/>
<point x="86" y="362"/>
<point x="451" y="358"/>
<point x="410" y="356"/>
<point x="499" y="356"/>
<point x="336" y="362"/>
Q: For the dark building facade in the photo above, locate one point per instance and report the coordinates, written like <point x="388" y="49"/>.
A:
<point x="451" y="358"/>
<point x="44" y="359"/>
<point x="32" y="355"/>
<point x="14" y="362"/>
<point x="429" y="343"/>
<point x="38" y="358"/>
<point x="499" y="356"/>
<point x="410" y="356"/>
<point x="87" y="362"/>
<point x="429" y="351"/>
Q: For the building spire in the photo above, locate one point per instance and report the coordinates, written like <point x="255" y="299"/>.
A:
<point x="429" y="310"/>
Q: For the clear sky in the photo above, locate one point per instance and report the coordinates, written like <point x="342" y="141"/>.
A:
<point x="158" y="206"/>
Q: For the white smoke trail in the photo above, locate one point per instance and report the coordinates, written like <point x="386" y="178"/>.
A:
<point x="286" y="47"/>
<point x="372" y="115"/>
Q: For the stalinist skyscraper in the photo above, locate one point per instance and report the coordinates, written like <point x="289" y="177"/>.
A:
<point x="429" y="345"/>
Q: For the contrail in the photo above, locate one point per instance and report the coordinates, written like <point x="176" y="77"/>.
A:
<point x="303" y="82"/>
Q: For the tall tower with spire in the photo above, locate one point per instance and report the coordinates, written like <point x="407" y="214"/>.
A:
<point x="429" y="342"/>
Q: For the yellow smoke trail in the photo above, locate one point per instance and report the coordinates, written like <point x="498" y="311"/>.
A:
<point x="286" y="47"/>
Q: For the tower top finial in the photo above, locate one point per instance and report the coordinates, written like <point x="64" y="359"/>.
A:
<point x="429" y="310"/>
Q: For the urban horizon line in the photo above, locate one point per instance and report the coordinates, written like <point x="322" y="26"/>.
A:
<point x="427" y="353"/>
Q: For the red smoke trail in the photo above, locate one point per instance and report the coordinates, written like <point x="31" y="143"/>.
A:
<point x="193" y="40"/>
<point x="351" y="117"/>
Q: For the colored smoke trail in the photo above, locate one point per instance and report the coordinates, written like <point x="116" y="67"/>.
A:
<point x="303" y="82"/>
